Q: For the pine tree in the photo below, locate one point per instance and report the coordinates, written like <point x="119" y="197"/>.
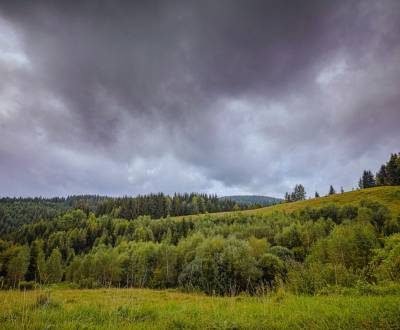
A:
<point x="381" y="176"/>
<point x="316" y="194"/>
<point x="393" y="170"/>
<point x="367" y="180"/>
<point x="298" y="194"/>
<point x="332" y="190"/>
<point x="389" y="173"/>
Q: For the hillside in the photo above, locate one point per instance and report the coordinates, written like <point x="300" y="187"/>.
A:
<point x="253" y="200"/>
<point x="97" y="251"/>
<point x="387" y="195"/>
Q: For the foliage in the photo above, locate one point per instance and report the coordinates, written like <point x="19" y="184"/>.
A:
<point x="386" y="260"/>
<point x="15" y="212"/>
<point x="307" y="251"/>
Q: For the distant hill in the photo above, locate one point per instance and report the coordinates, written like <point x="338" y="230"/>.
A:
<point x="253" y="200"/>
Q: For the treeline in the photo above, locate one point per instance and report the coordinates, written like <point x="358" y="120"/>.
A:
<point x="15" y="212"/>
<point x="160" y="206"/>
<point x="308" y="251"/>
<point x="388" y="175"/>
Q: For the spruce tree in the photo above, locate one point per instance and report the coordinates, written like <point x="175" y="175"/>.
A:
<point x="381" y="176"/>
<point x="393" y="170"/>
<point x="332" y="190"/>
<point x="367" y="180"/>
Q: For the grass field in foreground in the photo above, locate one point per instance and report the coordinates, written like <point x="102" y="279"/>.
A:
<point x="387" y="195"/>
<point x="149" y="309"/>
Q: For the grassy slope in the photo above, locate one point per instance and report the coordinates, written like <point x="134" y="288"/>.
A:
<point x="389" y="196"/>
<point x="150" y="309"/>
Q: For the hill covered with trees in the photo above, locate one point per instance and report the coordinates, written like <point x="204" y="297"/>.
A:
<point x="340" y="241"/>
<point x="15" y="212"/>
<point x="307" y="250"/>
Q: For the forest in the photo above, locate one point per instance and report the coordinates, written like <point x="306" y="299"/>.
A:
<point x="92" y="262"/>
<point x="308" y="251"/>
<point x="197" y="261"/>
<point x="15" y="212"/>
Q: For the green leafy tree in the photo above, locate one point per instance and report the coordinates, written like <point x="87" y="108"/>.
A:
<point x="54" y="267"/>
<point x="386" y="260"/>
<point x="18" y="265"/>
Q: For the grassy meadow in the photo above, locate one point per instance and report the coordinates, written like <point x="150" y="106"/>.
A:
<point x="167" y="309"/>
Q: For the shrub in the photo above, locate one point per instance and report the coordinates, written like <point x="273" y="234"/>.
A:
<point x="281" y="252"/>
<point x="27" y="285"/>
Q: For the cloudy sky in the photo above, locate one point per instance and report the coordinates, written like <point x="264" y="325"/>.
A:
<point x="128" y="97"/>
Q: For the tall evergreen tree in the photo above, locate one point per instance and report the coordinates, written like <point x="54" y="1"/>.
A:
<point x="389" y="173"/>
<point x="381" y="176"/>
<point x="367" y="180"/>
<point x="393" y="170"/>
<point x="332" y="190"/>
<point x="298" y="194"/>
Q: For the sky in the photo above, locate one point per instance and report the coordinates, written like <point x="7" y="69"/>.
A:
<point x="227" y="97"/>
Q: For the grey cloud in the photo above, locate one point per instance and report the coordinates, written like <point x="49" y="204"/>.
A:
<point x="127" y="97"/>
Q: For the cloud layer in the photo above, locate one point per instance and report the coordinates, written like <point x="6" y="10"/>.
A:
<point x="216" y="96"/>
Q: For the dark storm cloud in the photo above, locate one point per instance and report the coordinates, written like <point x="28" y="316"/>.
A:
<point x="229" y="96"/>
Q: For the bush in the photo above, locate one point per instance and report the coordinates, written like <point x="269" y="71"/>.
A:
<point x="317" y="278"/>
<point x="281" y="252"/>
<point x="27" y="285"/>
<point x="386" y="261"/>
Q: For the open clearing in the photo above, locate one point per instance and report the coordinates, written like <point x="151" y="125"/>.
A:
<point x="150" y="309"/>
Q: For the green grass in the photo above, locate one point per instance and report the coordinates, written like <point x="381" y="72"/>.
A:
<point x="150" y="309"/>
<point x="388" y="196"/>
